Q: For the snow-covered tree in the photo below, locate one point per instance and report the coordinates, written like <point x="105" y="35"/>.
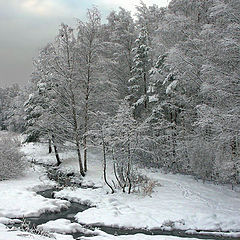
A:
<point x="140" y="73"/>
<point x="119" y="56"/>
<point x="89" y="48"/>
<point x="11" y="158"/>
<point x="180" y="77"/>
<point x="11" y="108"/>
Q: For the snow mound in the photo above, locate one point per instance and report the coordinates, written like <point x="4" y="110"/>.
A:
<point x="7" y="221"/>
<point x="17" y="199"/>
<point x="7" y="234"/>
<point x="90" y="197"/>
<point x="63" y="226"/>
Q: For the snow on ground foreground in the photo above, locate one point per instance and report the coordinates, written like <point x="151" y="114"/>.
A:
<point x="7" y="234"/>
<point x="60" y="226"/>
<point x="65" y="226"/>
<point x="135" y="237"/>
<point x="18" y="198"/>
<point x="177" y="201"/>
<point x="180" y="202"/>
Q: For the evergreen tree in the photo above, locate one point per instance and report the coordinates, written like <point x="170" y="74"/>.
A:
<point x="140" y="80"/>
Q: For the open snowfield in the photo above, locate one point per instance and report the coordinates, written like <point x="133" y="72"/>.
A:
<point x="180" y="203"/>
<point x="177" y="202"/>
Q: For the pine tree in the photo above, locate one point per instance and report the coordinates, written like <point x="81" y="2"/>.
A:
<point x="140" y="80"/>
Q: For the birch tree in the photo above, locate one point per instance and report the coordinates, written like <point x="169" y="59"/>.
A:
<point x="89" y="49"/>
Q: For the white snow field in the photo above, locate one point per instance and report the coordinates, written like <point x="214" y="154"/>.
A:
<point x="65" y="226"/>
<point x="180" y="202"/>
<point x="177" y="202"/>
<point x="18" y="197"/>
<point x="136" y="237"/>
<point x="8" y="234"/>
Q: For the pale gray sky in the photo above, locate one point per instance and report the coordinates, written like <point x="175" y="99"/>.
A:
<point x="28" y="25"/>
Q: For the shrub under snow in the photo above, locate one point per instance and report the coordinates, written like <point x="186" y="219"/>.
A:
<point x="11" y="159"/>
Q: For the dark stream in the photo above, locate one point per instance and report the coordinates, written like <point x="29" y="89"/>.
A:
<point x="76" y="207"/>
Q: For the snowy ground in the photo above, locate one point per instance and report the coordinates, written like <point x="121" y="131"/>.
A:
<point x="177" y="202"/>
<point x="18" y="197"/>
<point x="65" y="226"/>
<point x="135" y="237"/>
<point x="7" y="234"/>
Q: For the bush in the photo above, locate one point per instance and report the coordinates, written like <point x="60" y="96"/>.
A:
<point x="26" y="226"/>
<point x="12" y="163"/>
<point x="143" y="184"/>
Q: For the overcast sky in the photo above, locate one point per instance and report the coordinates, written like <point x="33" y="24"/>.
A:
<point x="28" y="25"/>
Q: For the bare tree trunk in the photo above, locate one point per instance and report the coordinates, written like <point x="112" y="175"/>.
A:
<point x="79" y="158"/>
<point x="57" y="155"/>
<point x="145" y="89"/>
<point x="116" y="176"/>
<point x="124" y="180"/>
<point x="77" y="141"/>
<point x="86" y="121"/>
<point x="49" y="146"/>
<point x="105" y="165"/>
<point x="128" y="169"/>
<point x="85" y="153"/>
<point x="56" y="151"/>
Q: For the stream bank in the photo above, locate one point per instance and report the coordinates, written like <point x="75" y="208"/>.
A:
<point x="64" y="180"/>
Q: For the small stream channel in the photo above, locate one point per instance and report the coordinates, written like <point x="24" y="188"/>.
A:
<point x="76" y="207"/>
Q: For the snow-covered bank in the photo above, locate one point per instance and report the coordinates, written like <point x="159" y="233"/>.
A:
<point x="136" y="237"/>
<point x="179" y="202"/>
<point x="19" y="199"/>
<point x="8" y="234"/>
<point x="64" y="226"/>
